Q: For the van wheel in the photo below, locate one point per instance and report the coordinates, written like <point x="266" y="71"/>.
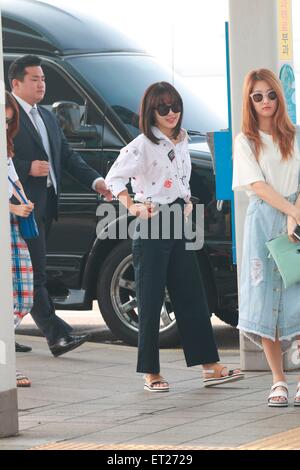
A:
<point x="117" y="299"/>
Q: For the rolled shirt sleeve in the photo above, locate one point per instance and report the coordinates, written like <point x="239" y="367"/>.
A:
<point x="11" y="170"/>
<point x="128" y="165"/>
<point x="246" y="169"/>
<point x="96" y="181"/>
<point x="13" y="176"/>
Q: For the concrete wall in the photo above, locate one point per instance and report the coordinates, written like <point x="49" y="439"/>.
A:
<point x="8" y="392"/>
<point x="254" y="43"/>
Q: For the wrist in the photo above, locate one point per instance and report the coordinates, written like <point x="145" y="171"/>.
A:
<point x="131" y="208"/>
<point x="294" y="212"/>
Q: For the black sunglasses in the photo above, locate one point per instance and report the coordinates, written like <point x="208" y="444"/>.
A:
<point x="258" y="96"/>
<point x="164" y="109"/>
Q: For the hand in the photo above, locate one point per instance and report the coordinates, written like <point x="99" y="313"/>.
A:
<point x="291" y="225"/>
<point x="144" y="211"/>
<point x="22" y="210"/>
<point x="101" y="188"/>
<point x="188" y="209"/>
<point x="30" y="205"/>
<point x="39" y="168"/>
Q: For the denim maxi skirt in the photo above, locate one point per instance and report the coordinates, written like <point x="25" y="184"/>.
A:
<point x="265" y="306"/>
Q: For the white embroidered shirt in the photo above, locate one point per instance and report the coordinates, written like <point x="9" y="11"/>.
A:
<point x="159" y="173"/>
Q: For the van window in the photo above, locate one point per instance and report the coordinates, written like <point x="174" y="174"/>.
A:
<point x="18" y="36"/>
<point x="59" y="87"/>
<point x="121" y="79"/>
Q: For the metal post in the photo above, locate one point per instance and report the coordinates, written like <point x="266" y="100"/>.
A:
<point x="260" y="36"/>
<point x="8" y="391"/>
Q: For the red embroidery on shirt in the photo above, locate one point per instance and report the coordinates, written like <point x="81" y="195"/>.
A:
<point x="168" y="184"/>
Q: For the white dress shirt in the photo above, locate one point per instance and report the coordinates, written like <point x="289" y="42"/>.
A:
<point x="51" y="179"/>
<point x="159" y="172"/>
<point x="13" y="176"/>
<point x="27" y="108"/>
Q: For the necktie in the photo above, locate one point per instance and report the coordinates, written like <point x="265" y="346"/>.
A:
<point x="42" y="131"/>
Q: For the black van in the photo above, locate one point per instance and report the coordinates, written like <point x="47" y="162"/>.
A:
<point x="95" y="80"/>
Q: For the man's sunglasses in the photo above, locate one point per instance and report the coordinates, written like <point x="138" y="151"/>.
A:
<point x="258" y="96"/>
<point x="164" y="109"/>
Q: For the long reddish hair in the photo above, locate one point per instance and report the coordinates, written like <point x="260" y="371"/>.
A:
<point x="10" y="103"/>
<point x="283" y="130"/>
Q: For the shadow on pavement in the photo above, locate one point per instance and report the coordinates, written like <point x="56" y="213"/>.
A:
<point x="226" y="336"/>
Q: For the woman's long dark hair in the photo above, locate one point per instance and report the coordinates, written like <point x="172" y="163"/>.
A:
<point x="10" y="103"/>
<point x="158" y="93"/>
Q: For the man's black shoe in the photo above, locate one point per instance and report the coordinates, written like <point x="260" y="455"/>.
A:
<point x="22" y="348"/>
<point x="67" y="344"/>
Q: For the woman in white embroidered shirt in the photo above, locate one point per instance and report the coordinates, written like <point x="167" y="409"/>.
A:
<point x="266" y="166"/>
<point x="159" y="166"/>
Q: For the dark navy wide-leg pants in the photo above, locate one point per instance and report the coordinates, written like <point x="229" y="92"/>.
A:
<point x="158" y="264"/>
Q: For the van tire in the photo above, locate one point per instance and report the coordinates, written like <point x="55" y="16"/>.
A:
<point x="118" y="259"/>
<point x="105" y="286"/>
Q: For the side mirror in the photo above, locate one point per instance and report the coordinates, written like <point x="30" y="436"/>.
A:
<point x="69" y="115"/>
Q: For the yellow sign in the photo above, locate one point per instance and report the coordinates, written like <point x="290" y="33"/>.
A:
<point x="285" y="30"/>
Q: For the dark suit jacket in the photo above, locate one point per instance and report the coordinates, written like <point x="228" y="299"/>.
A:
<point x="28" y="147"/>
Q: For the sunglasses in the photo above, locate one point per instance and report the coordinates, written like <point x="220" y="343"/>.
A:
<point x="258" y="96"/>
<point x="164" y="109"/>
<point x="9" y="121"/>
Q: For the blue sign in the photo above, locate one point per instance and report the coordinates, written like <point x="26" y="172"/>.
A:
<point x="287" y="78"/>
<point x="223" y="156"/>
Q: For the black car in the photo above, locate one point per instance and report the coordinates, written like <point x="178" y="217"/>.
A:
<point x="95" y="80"/>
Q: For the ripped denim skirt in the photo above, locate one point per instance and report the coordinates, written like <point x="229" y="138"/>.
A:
<point x="265" y="306"/>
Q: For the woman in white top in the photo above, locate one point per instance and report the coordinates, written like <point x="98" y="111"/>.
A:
<point x="159" y="166"/>
<point x="21" y="262"/>
<point x="266" y="166"/>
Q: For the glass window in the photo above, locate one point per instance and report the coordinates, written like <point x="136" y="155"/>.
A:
<point x="58" y="87"/>
<point x="122" y="80"/>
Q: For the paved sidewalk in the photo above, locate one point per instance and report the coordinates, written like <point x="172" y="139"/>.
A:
<point x="93" y="397"/>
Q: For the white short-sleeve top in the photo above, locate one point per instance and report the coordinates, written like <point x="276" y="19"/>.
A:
<point x="282" y="175"/>
<point x="12" y="174"/>
<point x="158" y="172"/>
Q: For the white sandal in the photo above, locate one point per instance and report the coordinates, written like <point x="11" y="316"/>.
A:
<point x="217" y="379"/>
<point x="155" y="385"/>
<point x="278" y="393"/>
<point x="297" y="402"/>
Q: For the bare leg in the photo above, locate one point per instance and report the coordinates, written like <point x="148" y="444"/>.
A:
<point x="272" y="350"/>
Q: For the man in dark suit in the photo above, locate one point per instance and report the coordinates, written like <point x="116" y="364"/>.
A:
<point x="41" y="152"/>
